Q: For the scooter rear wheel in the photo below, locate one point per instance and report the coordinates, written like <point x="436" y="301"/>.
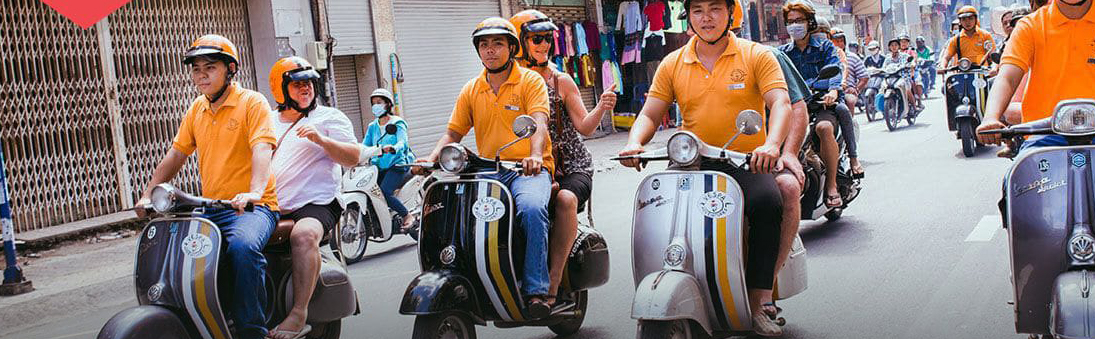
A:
<point x="449" y="325"/>
<point x="672" y="329"/>
<point x="570" y="326"/>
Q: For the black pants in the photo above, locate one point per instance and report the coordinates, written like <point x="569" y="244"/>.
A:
<point x="764" y="211"/>
<point x="847" y="128"/>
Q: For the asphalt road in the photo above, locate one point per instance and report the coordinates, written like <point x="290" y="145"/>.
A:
<point x="908" y="259"/>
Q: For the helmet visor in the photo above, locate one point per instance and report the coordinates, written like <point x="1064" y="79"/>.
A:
<point x="966" y="15"/>
<point x="301" y="74"/>
<point x="490" y="30"/>
<point x="540" y="25"/>
<point x="199" y="51"/>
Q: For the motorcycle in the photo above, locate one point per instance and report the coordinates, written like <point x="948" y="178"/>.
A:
<point x="688" y="243"/>
<point x="867" y="98"/>
<point x="471" y="253"/>
<point x="1047" y="214"/>
<point x="926" y="67"/>
<point x="965" y="89"/>
<point x="365" y="213"/>
<point x="813" y="193"/>
<point x="178" y="287"/>
<point x="895" y="105"/>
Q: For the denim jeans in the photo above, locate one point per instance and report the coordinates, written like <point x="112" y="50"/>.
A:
<point x="245" y="236"/>
<point x="530" y="196"/>
<point x="847" y="128"/>
<point x="390" y="180"/>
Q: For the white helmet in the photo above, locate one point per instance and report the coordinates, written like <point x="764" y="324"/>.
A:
<point x="383" y="93"/>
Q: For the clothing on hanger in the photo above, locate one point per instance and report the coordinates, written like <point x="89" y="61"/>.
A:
<point x="655" y="14"/>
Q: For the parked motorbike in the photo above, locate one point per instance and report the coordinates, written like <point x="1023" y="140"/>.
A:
<point x="895" y="105"/>
<point x="867" y="98"/>
<point x="926" y="67"/>
<point x="965" y="90"/>
<point x="178" y="287"/>
<point x="365" y="213"/>
<point x="688" y="243"/>
<point x="813" y="194"/>
<point x="472" y="253"/>
<point x="1048" y="211"/>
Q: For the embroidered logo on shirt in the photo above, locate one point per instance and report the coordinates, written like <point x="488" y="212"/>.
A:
<point x="233" y="124"/>
<point x="737" y="75"/>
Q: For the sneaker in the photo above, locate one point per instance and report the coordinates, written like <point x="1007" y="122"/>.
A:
<point x="765" y="326"/>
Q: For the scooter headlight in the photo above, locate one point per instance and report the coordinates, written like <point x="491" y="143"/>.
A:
<point x="1080" y="247"/>
<point x="674" y="255"/>
<point x="163" y="198"/>
<point x="965" y="64"/>
<point x="683" y="148"/>
<point x="1074" y="117"/>
<point x="453" y="158"/>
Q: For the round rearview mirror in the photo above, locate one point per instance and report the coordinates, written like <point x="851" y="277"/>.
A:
<point x="390" y="129"/>
<point x="749" y="122"/>
<point x="524" y="126"/>
<point x="828" y="72"/>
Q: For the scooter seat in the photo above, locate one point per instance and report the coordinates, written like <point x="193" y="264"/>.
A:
<point x="281" y="233"/>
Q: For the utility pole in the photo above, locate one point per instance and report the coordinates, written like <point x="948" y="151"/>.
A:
<point x="14" y="282"/>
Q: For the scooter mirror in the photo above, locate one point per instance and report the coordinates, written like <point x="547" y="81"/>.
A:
<point x="909" y="59"/>
<point x="524" y="126"/>
<point x="827" y="72"/>
<point x="749" y="121"/>
<point x="390" y="129"/>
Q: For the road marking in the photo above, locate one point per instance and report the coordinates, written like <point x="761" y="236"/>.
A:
<point x="985" y="229"/>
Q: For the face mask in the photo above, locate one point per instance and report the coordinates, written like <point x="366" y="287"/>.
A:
<point x="955" y="32"/>
<point x="379" y="110"/>
<point x="820" y="35"/>
<point x="797" y="31"/>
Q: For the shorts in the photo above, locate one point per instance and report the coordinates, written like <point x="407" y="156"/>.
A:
<point x="328" y="215"/>
<point x="581" y="184"/>
<point x="827" y="115"/>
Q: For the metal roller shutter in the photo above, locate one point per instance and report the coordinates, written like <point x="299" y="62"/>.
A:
<point x="351" y="24"/>
<point x="434" y="43"/>
<point x="347" y="98"/>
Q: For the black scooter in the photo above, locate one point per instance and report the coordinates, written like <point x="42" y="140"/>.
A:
<point x="813" y="193"/>
<point x="965" y="89"/>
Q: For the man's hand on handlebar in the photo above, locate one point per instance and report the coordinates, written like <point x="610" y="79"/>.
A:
<point x="420" y="170"/>
<point x="830" y="98"/>
<point x="632" y="149"/>
<point x="241" y="200"/>
<point x="990" y="124"/>
<point x="142" y="207"/>
<point x="532" y="165"/>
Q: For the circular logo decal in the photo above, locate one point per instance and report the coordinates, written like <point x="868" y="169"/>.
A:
<point x="151" y="232"/>
<point x="448" y="254"/>
<point x="1079" y="160"/>
<point x="716" y="205"/>
<point x="197" y="245"/>
<point x="656" y="184"/>
<point x="155" y="292"/>
<point x="488" y="209"/>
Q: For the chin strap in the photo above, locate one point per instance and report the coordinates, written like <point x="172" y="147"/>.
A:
<point x="727" y="29"/>
<point x="499" y="69"/>
<point x="220" y="93"/>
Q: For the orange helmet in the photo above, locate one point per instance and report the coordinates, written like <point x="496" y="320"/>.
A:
<point x="738" y="15"/>
<point x="287" y="70"/>
<point x="214" y="46"/>
<point x="966" y="11"/>
<point x="531" y="21"/>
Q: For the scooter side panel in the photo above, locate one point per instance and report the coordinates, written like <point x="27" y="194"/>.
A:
<point x="711" y="205"/>
<point x="177" y="264"/>
<point x="1038" y="194"/>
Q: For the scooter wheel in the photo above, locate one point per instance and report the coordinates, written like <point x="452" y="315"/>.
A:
<point x="444" y="325"/>
<point x="672" y="329"/>
<point x="781" y="321"/>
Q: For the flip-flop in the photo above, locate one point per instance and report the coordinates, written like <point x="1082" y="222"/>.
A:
<point x="539" y="309"/>
<point x="295" y="335"/>
<point x="772" y="305"/>
<point x="831" y="198"/>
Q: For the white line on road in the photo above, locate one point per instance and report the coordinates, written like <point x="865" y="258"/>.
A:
<point x="985" y="229"/>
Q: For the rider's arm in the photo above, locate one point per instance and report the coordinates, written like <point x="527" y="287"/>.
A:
<point x="172" y="162"/>
<point x="540" y="137"/>
<point x="642" y="130"/>
<point x="584" y="121"/>
<point x="401" y="137"/>
<point x="449" y="137"/>
<point x="799" y="122"/>
<point x="261" y="154"/>
<point x="780" y="119"/>
<point x="343" y="153"/>
<point x="950" y="53"/>
<point x="460" y="123"/>
<point x="1002" y="90"/>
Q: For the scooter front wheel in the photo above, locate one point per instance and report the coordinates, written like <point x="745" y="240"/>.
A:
<point x="891" y="115"/>
<point x="354" y="235"/>
<point x="571" y="325"/>
<point x="445" y="325"/>
<point x="672" y="329"/>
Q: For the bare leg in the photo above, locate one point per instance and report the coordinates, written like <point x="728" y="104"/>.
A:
<point x="562" y="236"/>
<point x="851" y="100"/>
<point x="762" y="324"/>
<point x="830" y="156"/>
<point x="305" y="249"/>
<point x="791" y="192"/>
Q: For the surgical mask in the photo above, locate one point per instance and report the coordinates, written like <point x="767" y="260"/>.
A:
<point x="820" y="35"/>
<point x="955" y="32"/>
<point x="797" y="31"/>
<point x="379" y="110"/>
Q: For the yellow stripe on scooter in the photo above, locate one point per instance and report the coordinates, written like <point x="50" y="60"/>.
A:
<point x="199" y="291"/>
<point x="495" y="264"/>
<point x="724" y="275"/>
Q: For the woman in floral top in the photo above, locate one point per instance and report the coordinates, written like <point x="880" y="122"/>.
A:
<point x="574" y="163"/>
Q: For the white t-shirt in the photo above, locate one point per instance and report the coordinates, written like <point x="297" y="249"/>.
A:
<point x="304" y="172"/>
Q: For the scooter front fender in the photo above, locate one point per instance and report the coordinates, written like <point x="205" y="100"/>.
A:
<point x="670" y="295"/>
<point x="434" y="292"/>
<point x="1072" y="311"/>
<point x="145" y="321"/>
<point x="963" y="111"/>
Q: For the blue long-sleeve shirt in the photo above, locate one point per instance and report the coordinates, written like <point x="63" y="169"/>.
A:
<point x="818" y="53"/>
<point x="376" y="136"/>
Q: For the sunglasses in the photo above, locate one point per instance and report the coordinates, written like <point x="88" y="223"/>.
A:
<point x="538" y="39"/>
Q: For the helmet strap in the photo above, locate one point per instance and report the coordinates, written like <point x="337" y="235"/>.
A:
<point x="716" y="41"/>
<point x="501" y="69"/>
<point x="290" y="103"/>
<point x="220" y="93"/>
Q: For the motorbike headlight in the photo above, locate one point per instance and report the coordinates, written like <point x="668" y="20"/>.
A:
<point x="965" y="64"/>
<point x="1074" y="117"/>
<point x="674" y="255"/>
<point x="1080" y="247"/>
<point x="453" y="158"/>
<point x="683" y="148"/>
<point x="163" y="198"/>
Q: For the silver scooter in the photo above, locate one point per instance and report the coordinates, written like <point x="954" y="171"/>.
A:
<point x="895" y="105"/>
<point x="1048" y="212"/>
<point x="365" y="213"/>
<point x="688" y="243"/>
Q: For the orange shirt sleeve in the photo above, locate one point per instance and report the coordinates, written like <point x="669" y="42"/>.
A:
<point x="662" y="85"/>
<point x="951" y="46"/>
<point x="258" y="120"/>
<point x="184" y="139"/>
<point x="769" y="75"/>
<point x="1020" y="48"/>
<point x="536" y="94"/>
<point x="460" y="121"/>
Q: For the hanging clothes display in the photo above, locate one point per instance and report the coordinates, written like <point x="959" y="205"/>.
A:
<point x="636" y="36"/>
<point x="676" y="23"/>
<point x="655" y="13"/>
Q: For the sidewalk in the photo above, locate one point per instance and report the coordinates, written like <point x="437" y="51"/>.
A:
<point x="97" y="272"/>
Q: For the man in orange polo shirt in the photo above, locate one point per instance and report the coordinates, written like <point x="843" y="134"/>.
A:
<point x="714" y="77"/>
<point x="489" y="103"/>
<point x="973" y="43"/>
<point x="229" y="127"/>
<point x="1053" y="44"/>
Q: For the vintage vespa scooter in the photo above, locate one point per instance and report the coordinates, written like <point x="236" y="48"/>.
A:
<point x="813" y="193"/>
<point x="472" y="252"/>
<point x="365" y="213"/>
<point x="1049" y="210"/>
<point x="176" y="277"/>
<point x="965" y="90"/>
<point x="688" y="243"/>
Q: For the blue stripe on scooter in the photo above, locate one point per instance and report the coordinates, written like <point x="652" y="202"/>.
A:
<point x="709" y="253"/>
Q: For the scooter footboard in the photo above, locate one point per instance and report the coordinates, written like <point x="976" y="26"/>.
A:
<point x="670" y="295"/>
<point x="439" y="291"/>
<point x="145" y="321"/>
<point x="1072" y="312"/>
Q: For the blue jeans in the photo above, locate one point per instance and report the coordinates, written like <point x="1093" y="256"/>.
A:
<point x="530" y="196"/>
<point x="245" y="236"/>
<point x="390" y="180"/>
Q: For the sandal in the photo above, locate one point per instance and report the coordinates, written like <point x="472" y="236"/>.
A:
<point x="277" y="333"/>
<point x="833" y="200"/>
<point x="771" y="310"/>
<point x="538" y="308"/>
